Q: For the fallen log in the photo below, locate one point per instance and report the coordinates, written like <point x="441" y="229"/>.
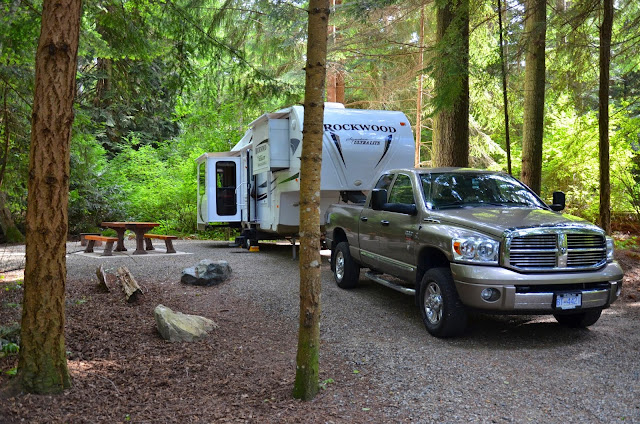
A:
<point x="129" y="285"/>
<point x="102" y="279"/>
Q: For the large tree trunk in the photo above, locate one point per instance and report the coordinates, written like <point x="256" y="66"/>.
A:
<point x="451" y="74"/>
<point x="603" y="119"/>
<point x="533" y="125"/>
<point x="42" y="366"/>
<point x="306" y="384"/>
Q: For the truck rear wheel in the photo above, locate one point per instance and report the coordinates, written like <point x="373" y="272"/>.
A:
<point x="443" y="313"/>
<point x="345" y="270"/>
<point x="579" y="320"/>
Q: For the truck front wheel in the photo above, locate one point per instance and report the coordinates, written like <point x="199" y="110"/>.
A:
<point x="345" y="270"/>
<point x="442" y="311"/>
<point x="580" y="319"/>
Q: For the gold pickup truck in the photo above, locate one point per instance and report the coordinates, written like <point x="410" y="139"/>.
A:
<point x="464" y="239"/>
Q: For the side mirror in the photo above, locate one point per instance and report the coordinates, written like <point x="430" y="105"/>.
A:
<point x="407" y="209"/>
<point x="559" y="200"/>
<point x="378" y="199"/>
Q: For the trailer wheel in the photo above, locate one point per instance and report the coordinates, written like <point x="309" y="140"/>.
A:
<point x="345" y="270"/>
<point x="248" y="242"/>
<point x="442" y="312"/>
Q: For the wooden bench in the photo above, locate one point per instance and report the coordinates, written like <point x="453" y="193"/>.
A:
<point x="108" y="247"/>
<point x="167" y="241"/>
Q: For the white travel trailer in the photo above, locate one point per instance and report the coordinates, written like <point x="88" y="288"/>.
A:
<point x="256" y="186"/>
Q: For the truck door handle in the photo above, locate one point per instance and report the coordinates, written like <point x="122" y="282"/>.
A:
<point x="364" y="219"/>
<point x="384" y="222"/>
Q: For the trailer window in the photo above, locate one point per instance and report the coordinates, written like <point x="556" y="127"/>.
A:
<point x="226" y="188"/>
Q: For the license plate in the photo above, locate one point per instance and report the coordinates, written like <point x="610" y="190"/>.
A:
<point x="568" y="300"/>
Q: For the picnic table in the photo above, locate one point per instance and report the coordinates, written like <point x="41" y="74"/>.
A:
<point x="139" y="228"/>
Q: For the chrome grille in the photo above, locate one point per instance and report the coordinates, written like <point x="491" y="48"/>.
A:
<point x="586" y="250"/>
<point x="555" y="249"/>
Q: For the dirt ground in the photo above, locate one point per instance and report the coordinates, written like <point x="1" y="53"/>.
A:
<point x="123" y="371"/>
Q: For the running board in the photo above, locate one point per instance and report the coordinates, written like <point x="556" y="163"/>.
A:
<point x="376" y="277"/>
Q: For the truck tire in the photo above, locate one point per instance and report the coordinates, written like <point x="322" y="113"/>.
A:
<point x="580" y="319"/>
<point x="443" y="314"/>
<point x="345" y="270"/>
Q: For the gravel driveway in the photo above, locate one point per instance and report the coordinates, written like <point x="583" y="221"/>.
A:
<point x="505" y="369"/>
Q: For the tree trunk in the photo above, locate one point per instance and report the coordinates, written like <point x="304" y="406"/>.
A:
<point x="42" y="366"/>
<point x="505" y="101"/>
<point x="335" y="71"/>
<point x="533" y="125"/>
<point x="7" y="134"/>
<point x="451" y="78"/>
<point x="416" y="160"/>
<point x="306" y="383"/>
<point x="603" y="119"/>
<point x="9" y="231"/>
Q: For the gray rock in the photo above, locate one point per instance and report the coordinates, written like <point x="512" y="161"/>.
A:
<point x="10" y="333"/>
<point x="179" y="327"/>
<point x="206" y="273"/>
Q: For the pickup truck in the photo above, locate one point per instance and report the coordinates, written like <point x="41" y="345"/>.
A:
<point x="464" y="239"/>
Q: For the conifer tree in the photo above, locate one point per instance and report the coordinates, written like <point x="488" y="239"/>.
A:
<point x="42" y="366"/>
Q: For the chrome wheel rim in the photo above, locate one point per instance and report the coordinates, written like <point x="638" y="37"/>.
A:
<point x="433" y="304"/>
<point x="339" y="266"/>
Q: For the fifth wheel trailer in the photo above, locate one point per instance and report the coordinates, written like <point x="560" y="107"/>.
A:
<point x="256" y="186"/>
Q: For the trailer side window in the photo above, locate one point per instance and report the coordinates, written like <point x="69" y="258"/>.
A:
<point x="226" y="188"/>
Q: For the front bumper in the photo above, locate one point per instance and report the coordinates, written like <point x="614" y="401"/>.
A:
<point x="535" y="293"/>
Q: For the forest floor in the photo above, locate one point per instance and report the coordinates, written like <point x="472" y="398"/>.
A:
<point x="122" y="371"/>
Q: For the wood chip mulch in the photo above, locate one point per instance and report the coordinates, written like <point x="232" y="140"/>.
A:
<point x="123" y="371"/>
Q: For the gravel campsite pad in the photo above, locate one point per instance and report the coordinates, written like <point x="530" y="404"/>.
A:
<point x="378" y="363"/>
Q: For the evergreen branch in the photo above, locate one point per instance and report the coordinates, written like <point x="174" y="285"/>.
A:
<point x="15" y="90"/>
<point x="229" y="49"/>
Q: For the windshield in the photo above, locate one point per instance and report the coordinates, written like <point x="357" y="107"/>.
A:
<point x="454" y="190"/>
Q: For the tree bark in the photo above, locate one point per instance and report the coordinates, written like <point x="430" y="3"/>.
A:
<point x="42" y="366"/>
<point x="533" y="125"/>
<point x="335" y="71"/>
<point x="451" y="78"/>
<point x="416" y="159"/>
<point x="129" y="284"/>
<point x="505" y="101"/>
<point x="306" y="382"/>
<point x="603" y="119"/>
<point x="8" y="229"/>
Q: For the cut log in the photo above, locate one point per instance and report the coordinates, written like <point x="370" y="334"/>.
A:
<point x="102" y="279"/>
<point x="129" y="285"/>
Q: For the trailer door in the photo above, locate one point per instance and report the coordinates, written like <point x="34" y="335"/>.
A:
<point x="223" y="189"/>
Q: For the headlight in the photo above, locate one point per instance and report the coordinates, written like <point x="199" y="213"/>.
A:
<point x="609" y="249"/>
<point x="475" y="249"/>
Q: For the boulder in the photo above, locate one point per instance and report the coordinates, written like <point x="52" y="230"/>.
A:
<point x="10" y="333"/>
<point x="179" y="327"/>
<point x="206" y="273"/>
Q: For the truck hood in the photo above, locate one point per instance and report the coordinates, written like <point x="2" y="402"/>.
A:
<point x="496" y="220"/>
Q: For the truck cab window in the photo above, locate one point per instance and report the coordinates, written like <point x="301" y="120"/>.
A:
<point x="384" y="182"/>
<point x="402" y="191"/>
